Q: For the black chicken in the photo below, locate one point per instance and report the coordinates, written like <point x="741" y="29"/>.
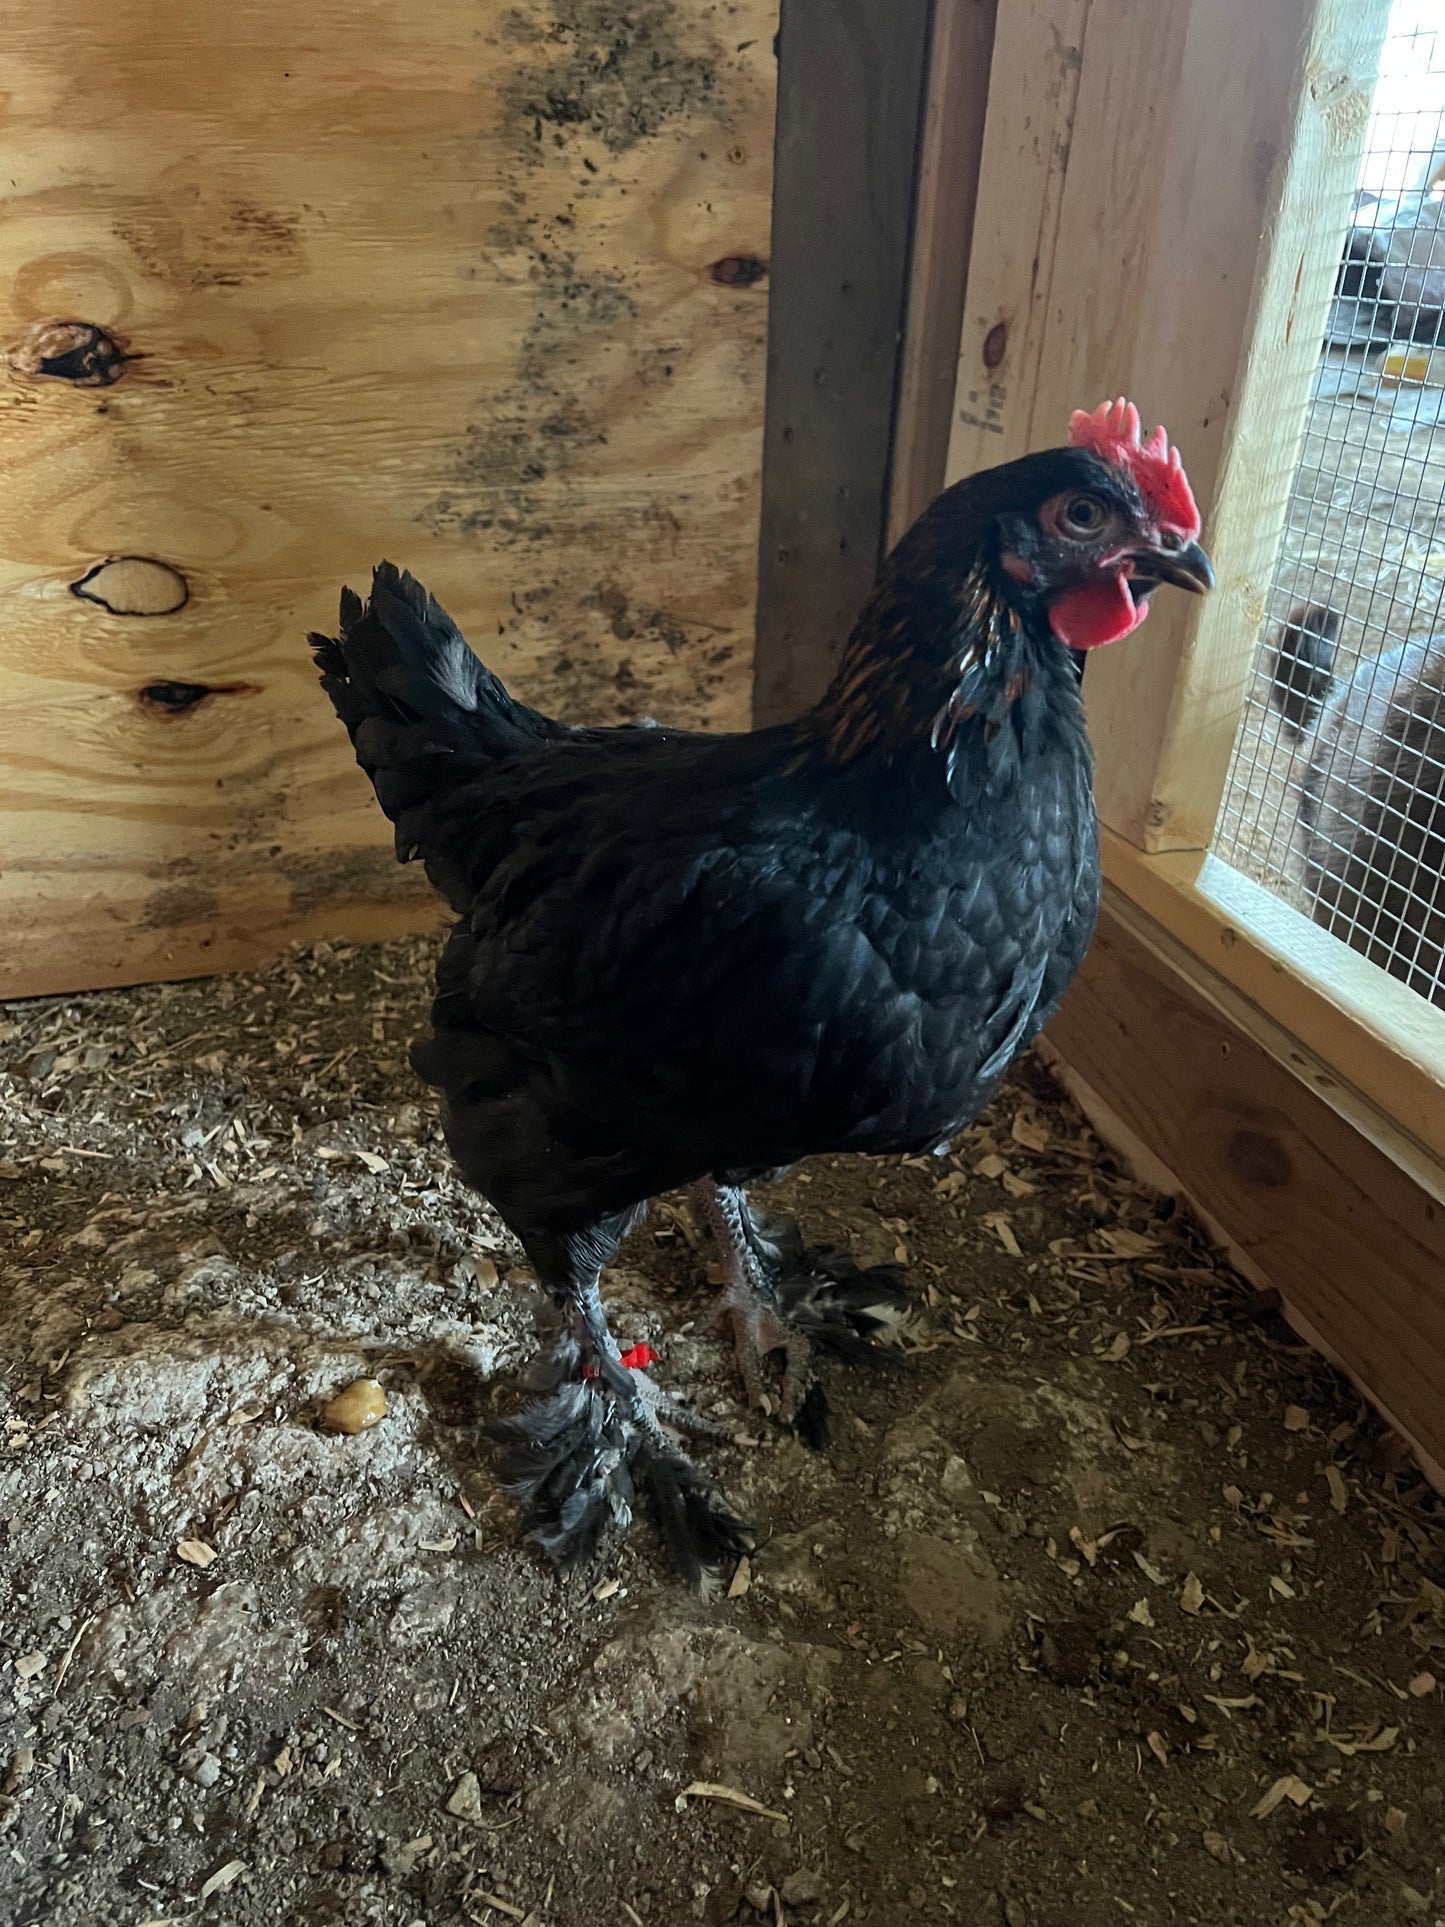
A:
<point x="692" y="960"/>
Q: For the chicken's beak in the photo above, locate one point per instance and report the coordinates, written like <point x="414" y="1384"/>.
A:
<point x="1186" y="568"/>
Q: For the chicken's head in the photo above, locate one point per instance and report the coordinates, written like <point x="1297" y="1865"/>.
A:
<point x="1117" y="519"/>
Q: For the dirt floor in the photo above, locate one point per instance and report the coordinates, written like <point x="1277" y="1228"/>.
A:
<point x="1114" y="1607"/>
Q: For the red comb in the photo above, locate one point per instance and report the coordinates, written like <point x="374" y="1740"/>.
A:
<point x="1112" y="432"/>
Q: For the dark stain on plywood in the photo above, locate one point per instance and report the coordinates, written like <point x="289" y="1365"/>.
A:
<point x="180" y="904"/>
<point x="530" y="471"/>
<point x="617" y="74"/>
<point x="366" y="875"/>
<point x="206" y="238"/>
<point x="535" y="428"/>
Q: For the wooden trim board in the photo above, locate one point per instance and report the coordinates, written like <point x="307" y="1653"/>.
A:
<point x="1354" y="1244"/>
<point x="220" y="941"/>
<point x="1113" y="1131"/>
<point x="1367" y="1031"/>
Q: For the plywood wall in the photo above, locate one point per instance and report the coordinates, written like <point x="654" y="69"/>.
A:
<point x="478" y="287"/>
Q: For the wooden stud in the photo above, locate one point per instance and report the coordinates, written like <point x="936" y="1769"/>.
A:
<point x="1033" y="92"/>
<point x="850" y="100"/>
<point x="960" y="54"/>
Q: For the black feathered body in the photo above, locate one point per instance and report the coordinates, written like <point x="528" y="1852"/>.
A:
<point x="680" y="955"/>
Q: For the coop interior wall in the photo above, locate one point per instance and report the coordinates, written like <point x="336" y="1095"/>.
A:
<point x="482" y="290"/>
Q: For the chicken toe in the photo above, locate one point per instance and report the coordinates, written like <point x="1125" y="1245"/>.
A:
<point x="785" y="1300"/>
<point x="759" y="1331"/>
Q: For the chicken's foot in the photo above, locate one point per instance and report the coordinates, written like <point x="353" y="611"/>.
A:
<point x="598" y="1436"/>
<point x="782" y="1299"/>
<point x="647" y="1405"/>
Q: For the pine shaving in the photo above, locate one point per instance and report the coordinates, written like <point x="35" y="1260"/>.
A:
<point x="726" y="1796"/>
<point x="1288" y="1787"/>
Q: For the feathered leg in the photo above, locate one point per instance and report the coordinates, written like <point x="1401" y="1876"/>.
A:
<point x="781" y="1298"/>
<point x="597" y="1437"/>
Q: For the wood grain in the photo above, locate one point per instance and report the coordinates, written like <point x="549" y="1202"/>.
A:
<point x="1241" y="305"/>
<point x="482" y="289"/>
<point x="1033" y="94"/>
<point x="1351" y="1241"/>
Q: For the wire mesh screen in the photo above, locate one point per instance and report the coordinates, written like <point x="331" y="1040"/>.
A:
<point x="1336" y="793"/>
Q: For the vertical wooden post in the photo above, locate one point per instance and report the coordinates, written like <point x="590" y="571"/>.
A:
<point x="850" y="100"/>
<point x="949" y="159"/>
<point x="1163" y="199"/>
<point x="1033" y="90"/>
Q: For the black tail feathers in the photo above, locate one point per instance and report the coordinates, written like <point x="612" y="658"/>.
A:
<point x="424" y="714"/>
<point x="401" y="659"/>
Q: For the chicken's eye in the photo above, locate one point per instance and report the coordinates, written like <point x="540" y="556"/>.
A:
<point x="1083" y="514"/>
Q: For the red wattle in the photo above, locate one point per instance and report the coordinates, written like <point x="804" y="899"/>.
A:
<point x="1100" y="611"/>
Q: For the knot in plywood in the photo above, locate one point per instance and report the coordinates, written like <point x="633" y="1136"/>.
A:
<point x="739" y="270"/>
<point x="79" y="352"/>
<point x="134" y="585"/>
<point x="169" y="698"/>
